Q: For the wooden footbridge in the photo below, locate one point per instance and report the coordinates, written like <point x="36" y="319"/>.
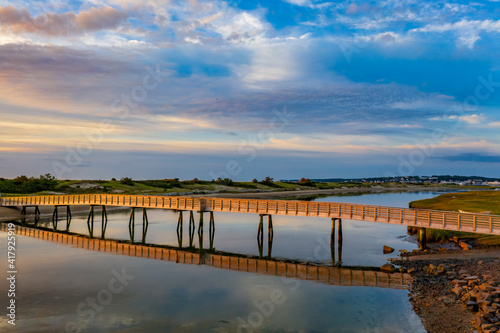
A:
<point x="420" y="218"/>
<point x="332" y="275"/>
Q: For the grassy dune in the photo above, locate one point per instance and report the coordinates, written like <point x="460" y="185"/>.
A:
<point x="474" y="202"/>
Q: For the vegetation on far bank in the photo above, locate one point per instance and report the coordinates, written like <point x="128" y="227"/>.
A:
<point x="473" y="201"/>
<point x="47" y="184"/>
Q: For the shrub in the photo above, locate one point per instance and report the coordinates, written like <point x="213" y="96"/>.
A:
<point x="127" y="181"/>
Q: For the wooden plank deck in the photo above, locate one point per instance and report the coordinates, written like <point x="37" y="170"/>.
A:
<point x="423" y="218"/>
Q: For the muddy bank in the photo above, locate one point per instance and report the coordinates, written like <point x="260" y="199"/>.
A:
<point x="458" y="294"/>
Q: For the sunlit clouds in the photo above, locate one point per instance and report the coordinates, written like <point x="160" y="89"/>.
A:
<point x="308" y="88"/>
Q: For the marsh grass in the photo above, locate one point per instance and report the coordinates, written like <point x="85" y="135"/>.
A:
<point x="474" y="202"/>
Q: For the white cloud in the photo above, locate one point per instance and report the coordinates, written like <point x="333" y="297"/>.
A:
<point x="473" y="119"/>
<point x="468" y="31"/>
<point x="303" y="3"/>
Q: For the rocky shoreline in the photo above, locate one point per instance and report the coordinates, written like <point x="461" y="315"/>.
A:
<point x="455" y="295"/>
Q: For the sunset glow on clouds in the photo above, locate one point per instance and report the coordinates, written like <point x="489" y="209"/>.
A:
<point x="287" y="89"/>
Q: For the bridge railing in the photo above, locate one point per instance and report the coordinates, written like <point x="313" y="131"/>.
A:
<point x="144" y="201"/>
<point x="393" y="215"/>
<point x="406" y="216"/>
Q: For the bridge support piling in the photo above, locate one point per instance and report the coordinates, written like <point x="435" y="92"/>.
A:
<point x="270" y="236"/>
<point x="339" y="240"/>
<point x="192" y="228"/>
<point x="211" y="230"/>
<point x="179" y="229"/>
<point x="422" y="238"/>
<point x="68" y="218"/>
<point x="145" y="224"/>
<point x="55" y="217"/>
<point x="260" y="235"/>
<point x="200" y="233"/>
<point x="131" y="225"/>
<point x="90" y="222"/>
<point x="104" y="216"/>
<point x="332" y="242"/>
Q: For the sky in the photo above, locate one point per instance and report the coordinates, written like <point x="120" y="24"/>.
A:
<point x="246" y="89"/>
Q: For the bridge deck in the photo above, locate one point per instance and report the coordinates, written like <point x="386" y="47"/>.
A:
<point x="424" y="218"/>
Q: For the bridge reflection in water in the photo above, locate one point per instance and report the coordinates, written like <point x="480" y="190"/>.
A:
<point x="191" y="230"/>
<point x="333" y="275"/>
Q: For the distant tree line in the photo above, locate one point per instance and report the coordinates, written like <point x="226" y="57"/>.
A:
<point x="24" y="184"/>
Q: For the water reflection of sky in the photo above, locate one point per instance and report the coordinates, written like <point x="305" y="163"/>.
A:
<point x="54" y="279"/>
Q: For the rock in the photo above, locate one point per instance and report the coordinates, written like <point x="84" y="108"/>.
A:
<point x="389" y="268"/>
<point x="464" y="246"/>
<point x="388" y="249"/>
<point x="486" y="287"/>
<point x="472" y="277"/>
<point x="484" y="297"/>
<point x="479" y="320"/>
<point x="458" y="290"/>
<point x="472" y="306"/>
<point x="459" y="282"/>
<point x="482" y="303"/>
<point x="488" y="309"/>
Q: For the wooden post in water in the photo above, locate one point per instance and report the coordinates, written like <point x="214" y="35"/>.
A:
<point x="200" y="233"/>
<point x="270" y="235"/>
<point x="192" y="227"/>
<point x="55" y="217"/>
<point x="339" y="240"/>
<point x="260" y="235"/>
<point x="145" y="224"/>
<point x="211" y="231"/>
<point x="179" y="229"/>
<point x="90" y="222"/>
<point x="68" y="217"/>
<point x="332" y="242"/>
<point x="104" y="225"/>
<point x="131" y="225"/>
<point x="422" y="237"/>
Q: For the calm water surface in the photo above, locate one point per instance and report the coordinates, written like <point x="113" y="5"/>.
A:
<point x="57" y="284"/>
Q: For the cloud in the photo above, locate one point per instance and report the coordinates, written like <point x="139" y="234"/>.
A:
<point x="469" y="119"/>
<point x="471" y="157"/>
<point x="61" y="24"/>
<point x="468" y="31"/>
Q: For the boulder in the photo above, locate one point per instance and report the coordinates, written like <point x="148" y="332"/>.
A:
<point x="388" y="249"/>
<point x="472" y="306"/>
<point x="388" y="268"/>
<point x="480" y="320"/>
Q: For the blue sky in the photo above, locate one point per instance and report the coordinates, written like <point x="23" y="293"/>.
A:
<point x="248" y="89"/>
